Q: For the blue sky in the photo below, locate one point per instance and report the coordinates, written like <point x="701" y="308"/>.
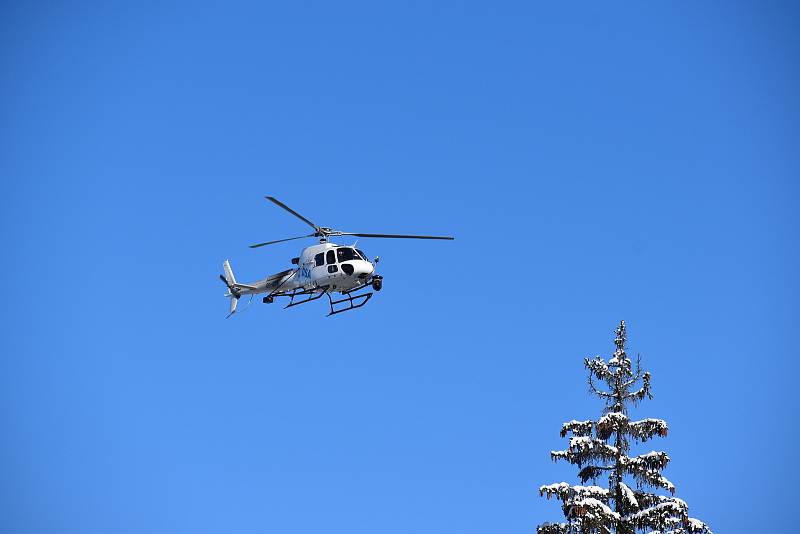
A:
<point x="595" y="163"/>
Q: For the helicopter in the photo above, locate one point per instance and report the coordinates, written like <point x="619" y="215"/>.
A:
<point x="324" y="269"/>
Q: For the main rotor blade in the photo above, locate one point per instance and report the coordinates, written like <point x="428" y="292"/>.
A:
<point x="398" y="236"/>
<point x="290" y="210"/>
<point x="281" y="240"/>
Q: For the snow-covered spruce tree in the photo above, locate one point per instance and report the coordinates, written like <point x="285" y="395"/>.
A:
<point x="601" y="448"/>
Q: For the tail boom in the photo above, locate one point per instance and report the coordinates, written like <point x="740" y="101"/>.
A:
<point x="236" y="289"/>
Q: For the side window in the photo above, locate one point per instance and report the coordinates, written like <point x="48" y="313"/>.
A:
<point x="319" y="259"/>
<point x="332" y="268"/>
<point x="331" y="257"/>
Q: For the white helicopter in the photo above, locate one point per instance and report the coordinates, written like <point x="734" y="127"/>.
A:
<point x="322" y="269"/>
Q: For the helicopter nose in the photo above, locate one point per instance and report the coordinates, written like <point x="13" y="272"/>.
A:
<point x="364" y="269"/>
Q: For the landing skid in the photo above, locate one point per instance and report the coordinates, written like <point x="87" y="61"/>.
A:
<point x="311" y="295"/>
<point x="353" y="301"/>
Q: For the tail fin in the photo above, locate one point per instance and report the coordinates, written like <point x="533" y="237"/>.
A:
<point x="230" y="281"/>
<point x="229" y="278"/>
<point x="234" y="302"/>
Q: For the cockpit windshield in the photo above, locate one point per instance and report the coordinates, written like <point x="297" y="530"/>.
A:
<point x="346" y="254"/>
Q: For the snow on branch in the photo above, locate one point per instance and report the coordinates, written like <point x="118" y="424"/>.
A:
<point x="660" y="512"/>
<point x="647" y="428"/>
<point x="653" y="478"/>
<point x="610" y="423"/>
<point x="598" y="368"/>
<point x="656" y="517"/>
<point x="566" y="493"/>
<point x="628" y="497"/>
<point x="647" y="500"/>
<point x="555" y="528"/>
<point x="584" y="449"/>
<point x="652" y="461"/>
<point x="578" y="428"/>
<point x="621" y="361"/>
<point x="672" y="513"/>
<point x="695" y="526"/>
<point x="640" y="430"/>
<point x="594" y="514"/>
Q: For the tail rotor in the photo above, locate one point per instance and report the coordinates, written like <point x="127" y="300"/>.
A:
<point x="230" y="282"/>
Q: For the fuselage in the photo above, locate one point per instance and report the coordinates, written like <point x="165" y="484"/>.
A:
<point x="339" y="267"/>
<point x="326" y="267"/>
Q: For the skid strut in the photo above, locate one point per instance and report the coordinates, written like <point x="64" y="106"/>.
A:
<point x="350" y="299"/>
<point x="310" y="293"/>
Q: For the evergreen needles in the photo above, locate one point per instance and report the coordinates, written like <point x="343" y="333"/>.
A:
<point x="601" y="448"/>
